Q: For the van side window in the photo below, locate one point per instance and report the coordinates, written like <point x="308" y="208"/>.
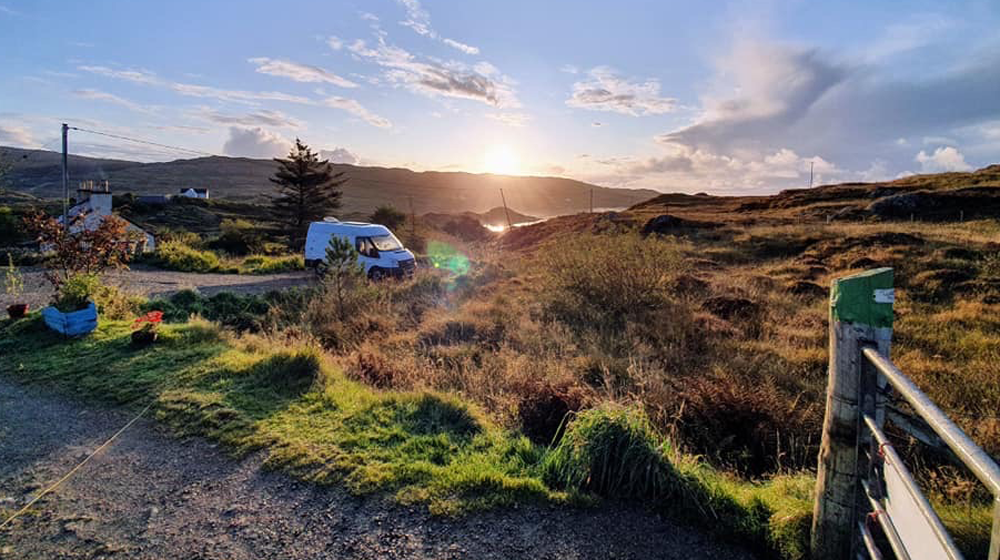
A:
<point x="365" y="247"/>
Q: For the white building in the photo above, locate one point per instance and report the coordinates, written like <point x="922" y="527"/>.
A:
<point x="94" y="204"/>
<point x="192" y="192"/>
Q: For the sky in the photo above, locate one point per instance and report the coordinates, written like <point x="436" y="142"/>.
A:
<point x="738" y="97"/>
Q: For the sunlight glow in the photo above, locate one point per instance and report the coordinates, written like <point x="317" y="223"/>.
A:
<point x="502" y="160"/>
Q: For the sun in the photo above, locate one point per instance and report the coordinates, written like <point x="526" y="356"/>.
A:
<point x="502" y="160"/>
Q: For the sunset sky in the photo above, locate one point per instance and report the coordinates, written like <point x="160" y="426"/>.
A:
<point x="724" y="97"/>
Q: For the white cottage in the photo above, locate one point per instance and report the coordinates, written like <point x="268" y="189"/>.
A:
<point x="94" y="203"/>
<point x="192" y="192"/>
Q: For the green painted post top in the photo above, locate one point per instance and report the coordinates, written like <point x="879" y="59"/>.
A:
<point x="864" y="298"/>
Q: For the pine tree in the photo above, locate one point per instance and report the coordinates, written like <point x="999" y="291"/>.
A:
<point x="342" y="272"/>
<point x="308" y="190"/>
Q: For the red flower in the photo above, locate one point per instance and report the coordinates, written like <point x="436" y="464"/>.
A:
<point x="153" y="317"/>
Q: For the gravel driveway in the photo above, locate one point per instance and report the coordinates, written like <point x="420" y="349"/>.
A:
<point x="151" y="282"/>
<point x="152" y="496"/>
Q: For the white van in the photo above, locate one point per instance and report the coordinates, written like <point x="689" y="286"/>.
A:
<point x="378" y="249"/>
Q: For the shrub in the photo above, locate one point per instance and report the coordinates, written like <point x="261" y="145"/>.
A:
<point x="175" y="255"/>
<point x="117" y="305"/>
<point x="76" y="292"/>
<point x="608" y="280"/>
<point x="388" y="217"/>
<point x="264" y="264"/>
<point x="88" y="251"/>
<point x="238" y="237"/>
<point x="544" y="409"/>
<point x="610" y="451"/>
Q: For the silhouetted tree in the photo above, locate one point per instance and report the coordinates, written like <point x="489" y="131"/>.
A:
<point x="342" y="272"/>
<point x="388" y="217"/>
<point x="308" y="190"/>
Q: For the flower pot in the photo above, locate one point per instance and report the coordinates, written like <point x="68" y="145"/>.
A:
<point x="143" y="337"/>
<point x="74" y="323"/>
<point x="18" y="310"/>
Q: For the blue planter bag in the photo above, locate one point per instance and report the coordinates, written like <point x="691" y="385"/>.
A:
<point x="74" y="323"/>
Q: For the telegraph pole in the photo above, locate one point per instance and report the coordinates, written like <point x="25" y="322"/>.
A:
<point x="811" y="164"/>
<point x="65" y="176"/>
<point x="505" y="211"/>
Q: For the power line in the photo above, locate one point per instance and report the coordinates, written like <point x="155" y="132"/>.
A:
<point x="140" y="141"/>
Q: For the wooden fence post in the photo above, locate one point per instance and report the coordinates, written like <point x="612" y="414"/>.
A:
<point x="860" y="315"/>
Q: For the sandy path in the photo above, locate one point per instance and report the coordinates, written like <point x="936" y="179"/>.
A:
<point x="153" y="282"/>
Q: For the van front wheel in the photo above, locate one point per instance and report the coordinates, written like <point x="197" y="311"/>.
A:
<point x="376" y="274"/>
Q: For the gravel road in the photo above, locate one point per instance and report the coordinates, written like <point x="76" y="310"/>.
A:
<point x="152" y="496"/>
<point x="148" y="281"/>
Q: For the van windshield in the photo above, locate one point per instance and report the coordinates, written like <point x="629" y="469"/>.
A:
<point x="386" y="242"/>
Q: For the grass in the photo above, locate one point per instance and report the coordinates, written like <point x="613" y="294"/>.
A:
<point x="180" y="256"/>
<point x="290" y="402"/>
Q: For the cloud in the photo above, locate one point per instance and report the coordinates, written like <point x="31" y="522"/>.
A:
<point x="419" y="20"/>
<point x="137" y="76"/>
<point x="339" y="155"/>
<point x="430" y="77"/>
<point x="255" y="143"/>
<point x="467" y="49"/>
<point x="98" y="95"/>
<point x="606" y="91"/>
<point x="945" y="158"/>
<point x="768" y="97"/>
<point x="262" y="117"/>
<point x="358" y="110"/>
<point x="299" y="72"/>
<point x="334" y="42"/>
<point x="569" y="69"/>
<point x="13" y="135"/>
<point x="146" y="77"/>
<point x="510" y="119"/>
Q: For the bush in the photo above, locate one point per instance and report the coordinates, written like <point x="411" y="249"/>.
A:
<point x="76" y="292"/>
<point x="388" y="217"/>
<point x="243" y="313"/>
<point x="613" y="452"/>
<point x="175" y="255"/>
<point x="263" y="264"/>
<point x="238" y="237"/>
<point x="116" y="305"/>
<point x="608" y="280"/>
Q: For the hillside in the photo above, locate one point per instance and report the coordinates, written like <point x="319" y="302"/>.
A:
<point x="38" y="172"/>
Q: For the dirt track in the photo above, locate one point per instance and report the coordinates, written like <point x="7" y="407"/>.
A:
<point x="151" y="282"/>
<point x="152" y="496"/>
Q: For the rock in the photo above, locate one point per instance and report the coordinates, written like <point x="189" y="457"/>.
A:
<point x="668" y="224"/>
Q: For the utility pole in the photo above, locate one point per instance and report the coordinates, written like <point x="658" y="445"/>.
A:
<point x="413" y="220"/>
<point x="811" y="164"/>
<point x="65" y="176"/>
<point x="591" y="200"/>
<point x="505" y="211"/>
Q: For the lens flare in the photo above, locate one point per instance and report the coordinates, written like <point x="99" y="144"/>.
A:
<point x="443" y="255"/>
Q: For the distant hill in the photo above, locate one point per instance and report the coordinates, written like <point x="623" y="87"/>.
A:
<point x="38" y="172"/>
<point x="495" y="216"/>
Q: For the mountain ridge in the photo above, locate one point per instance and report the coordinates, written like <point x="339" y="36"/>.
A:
<point x="38" y="172"/>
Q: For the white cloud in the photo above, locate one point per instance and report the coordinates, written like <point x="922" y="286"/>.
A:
<point x="358" y="110"/>
<point x="192" y="90"/>
<point x="335" y="43"/>
<point x="604" y="90"/>
<point x="510" y="119"/>
<point x="453" y="79"/>
<point x="98" y="95"/>
<point x="419" y="21"/>
<point x="569" y="69"/>
<point x="339" y="155"/>
<point x="255" y="143"/>
<point x="18" y="136"/>
<point x="299" y="72"/>
<point x="945" y="158"/>
<point x="261" y="117"/>
<point x="137" y="76"/>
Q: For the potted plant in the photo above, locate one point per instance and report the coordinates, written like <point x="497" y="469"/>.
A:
<point x="14" y="285"/>
<point x="77" y="256"/>
<point x="144" y="332"/>
<point x="73" y="312"/>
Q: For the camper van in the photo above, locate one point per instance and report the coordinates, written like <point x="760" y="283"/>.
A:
<point x="378" y="249"/>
